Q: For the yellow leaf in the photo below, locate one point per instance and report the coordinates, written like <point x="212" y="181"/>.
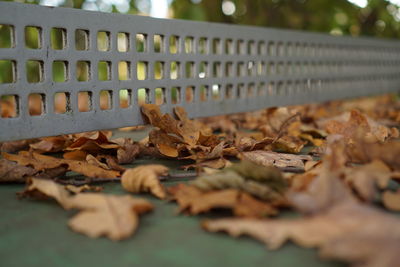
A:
<point x="145" y="179"/>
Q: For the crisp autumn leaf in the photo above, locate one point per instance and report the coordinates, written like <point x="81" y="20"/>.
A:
<point x="12" y="172"/>
<point x="44" y="189"/>
<point x="83" y="188"/>
<point x="279" y="160"/>
<point x="14" y="146"/>
<point x="95" y="162"/>
<point x="391" y="200"/>
<point x="194" y="201"/>
<point x="213" y="163"/>
<point x="145" y="179"/>
<point x="75" y="155"/>
<point x="42" y="162"/>
<point x="92" y="143"/>
<point x="128" y="150"/>
<point x="51" y="144"/>
<point x="113" y="216"/>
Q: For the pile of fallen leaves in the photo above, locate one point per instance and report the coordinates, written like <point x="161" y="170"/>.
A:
<point x="337" y="163"/>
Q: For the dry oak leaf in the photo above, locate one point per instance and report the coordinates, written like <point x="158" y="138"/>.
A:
<point x="145" y="179"/>
<point x="194" y="201"/>
<point x="93" y="143"/>
<point x="14" y="146"/>
<point x="391" y="200"/>
<point x="12" y="172"/>
<point x="113" y="216"/>
<point x="128" y="151"/>
<point x="51" y="144"/>
<point x="44" y="189"/>
<point x="279" y="160"/>
<point x="83" y="188"/>
<point x="42" y="162"/>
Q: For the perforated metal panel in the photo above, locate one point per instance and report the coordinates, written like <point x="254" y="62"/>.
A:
<point x="112" y="62"/>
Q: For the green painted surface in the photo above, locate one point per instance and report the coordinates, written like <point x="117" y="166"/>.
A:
<point x="35" y="233"/>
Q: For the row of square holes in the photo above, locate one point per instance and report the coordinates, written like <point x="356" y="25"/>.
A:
<point x="58" y="41"/>
<point x="9" y="104"/>
<point x="60" y="69"/>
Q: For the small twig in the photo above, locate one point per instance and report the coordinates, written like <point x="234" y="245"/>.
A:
<point x="86" y="180"/>
<point x="283" y="127"/>
<point x="179" y="176"/>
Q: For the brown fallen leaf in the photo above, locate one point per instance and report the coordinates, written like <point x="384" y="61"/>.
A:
<point x="213" y="163"/>
<point x="42" y="162"/>
<point x="75" y="155"/>
<point x="14" y="146"/>
<point x="12" y="172"/>
<point x="145" y="179"/>
<point x="51" y="144"/>
<point x="93" y="143"/>
<point x="391" y="200"/>
<point x="95" y="162"/>
<point x="44" y="189"/>
<point x="113" y="216"/>
<point x="194" y="201"/>
<point x="279" y="160"/>
<point x="83" y="188"/>
<point x="128" y="151"/>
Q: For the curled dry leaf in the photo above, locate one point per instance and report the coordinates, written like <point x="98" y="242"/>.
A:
<point x="12" y="172"/>
<point x="113" y="216"/>
<point x="145" y="179"/>
<point x="92" y="143"/>
<point x="128" y="151"/>
<point x="83" y="188"/>
<point x="286" y="162"/>
<point x="42" y="162"/>
<point x="51" y="144"/>
<point x="14" y="146"/>
<point x="194" y="201"/>
<point x="391" y="200"/>
<point x="95" y="162"/>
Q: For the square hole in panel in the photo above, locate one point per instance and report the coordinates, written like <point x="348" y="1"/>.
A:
<point x="280" y="68"/>
<point x="216" y="46"/>
<point x="160" y="96"/>
<point x="104" y="70"/>
<point x="229" y="94"/>
<point x="7" y="73"/>
<point x="33" y="37"/>
<point x="174" y="70"/>
<point x="103" y="41"/>
<point x="62" y="103"/>
<point x="7" y="36"/>
<point x="34" y="71"/>
<point x="216" y="92"/>
<point x="240" y="69"/>
<point x="271" y="88"/>
<point x="262" y="48"/>
<point x="158" y="42"/>
<point x="189" y="94"/>
<point x="85" y="99"/>
<point x="123" y="42"/>
<point x="158" y="70"/>
<point x="240" y="47"/>
<point x="261" y="90"/>
<point x="9" y="106"/>
<point x="271" y="49"/>
<point x="60" y="71"/>
<point x="189" y="45"/>
<point x="143" y="96"/>
<point x="81" y="39"/>
<point x="251" y="48"/>
<point x="36" y="104"/>
<point x="216" y="69"/>
<point x="280" y="49"/>
<point x="228" y="46"/>
<point x="125" y="98"/>
<point x="250" y="90"/>
<point x="189" y="69"/>
<point x="204" y="93"/>
<point x="229" y="69"/>
<point x="83" y="71"/>
<point x="261" y="68"/>
<point x="141" y="42"/>
<point x="58" y="38"/>
<point x="173" y="44"/>
<point x="251" y="68"/>
<point x="141" y="70"/>
<point x="240" y="91"/>
<point x="175" y="95"/>
<point x="203" y="45"/>
<point x="271" y="68"/>
<point x="124" y="70"/>
<point x="106" y="99"/>
<point x="203" y="70"/>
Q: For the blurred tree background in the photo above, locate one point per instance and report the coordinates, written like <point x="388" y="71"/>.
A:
<point x="348" y="17"/>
